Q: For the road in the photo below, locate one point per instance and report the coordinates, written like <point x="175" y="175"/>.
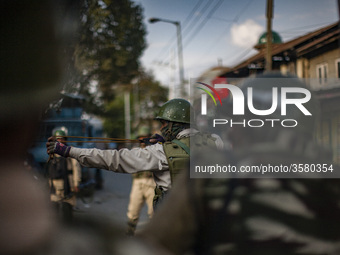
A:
<point x="112" y="201"/>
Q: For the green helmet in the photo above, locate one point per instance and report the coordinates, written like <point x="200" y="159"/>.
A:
<point x="59" y="131"/>
<point x="176" y="110"/>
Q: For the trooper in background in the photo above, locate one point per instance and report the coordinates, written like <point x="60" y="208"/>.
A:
<point x="142" y="190"/>
<point x="64" y="179"/>
<point x="292" y="214"/>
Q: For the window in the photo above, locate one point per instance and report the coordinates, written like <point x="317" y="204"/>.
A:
<point x="322" y="73"/>
<point x="337" y="68"/>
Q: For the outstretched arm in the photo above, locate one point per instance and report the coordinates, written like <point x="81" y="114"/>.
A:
<point x="151" y="158"/>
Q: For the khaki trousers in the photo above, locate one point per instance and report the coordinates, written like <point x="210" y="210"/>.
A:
<point x="59" y="192"/>
<point x="142" y="191"/>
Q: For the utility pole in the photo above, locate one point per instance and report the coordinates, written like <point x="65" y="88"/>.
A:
<point x="182" y="92"/>
<point x="172" y="89"/>
<point x="127" y="114"/>
<point x="269" y="15"/>
<point x="136" y="106"/>
<point x="180" y="60"/>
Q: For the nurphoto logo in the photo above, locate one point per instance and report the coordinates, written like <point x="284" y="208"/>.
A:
<point x="204" y="97"/>
<point x="279" y="100"/>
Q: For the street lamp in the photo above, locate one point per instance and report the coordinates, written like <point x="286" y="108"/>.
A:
<point x="179" y="50"/>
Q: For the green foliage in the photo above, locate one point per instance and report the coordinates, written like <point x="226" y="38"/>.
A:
<point x="114" y="118"/>
<point x="107" y="46"/>
<point x="103" y="61"/>
<point x="151" y="95"/>
<point x="110" y="44"/>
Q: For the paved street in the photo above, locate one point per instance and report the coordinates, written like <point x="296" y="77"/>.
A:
<point x="112" y="201"/>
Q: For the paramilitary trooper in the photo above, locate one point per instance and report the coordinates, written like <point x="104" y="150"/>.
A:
<point x="166" y="159"/>
<point x="64" y="179"/>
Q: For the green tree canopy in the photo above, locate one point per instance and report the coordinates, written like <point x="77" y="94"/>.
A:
<point x="111" y="41"/>
<point x="104" y="62"/>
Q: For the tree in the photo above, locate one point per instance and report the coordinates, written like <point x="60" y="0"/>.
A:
<point x="110" y="44"/>
<point x="107" y="47"/>
<point x="104" y="62"/>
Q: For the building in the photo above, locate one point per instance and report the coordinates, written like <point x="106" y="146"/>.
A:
<point x="314" y="57"/>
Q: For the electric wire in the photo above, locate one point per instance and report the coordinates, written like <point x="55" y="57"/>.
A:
<point x="305" y="27"/>
<point x="234" y="20"/>
<point x="202" y="24"/>
<point x="205" y="20"/>
<point x="187" y="25"/>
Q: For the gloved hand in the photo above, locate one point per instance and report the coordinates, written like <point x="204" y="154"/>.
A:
<point x="53" y="146"/>
<point x="156" y="138"/>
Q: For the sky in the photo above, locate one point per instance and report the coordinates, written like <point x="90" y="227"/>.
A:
<point x="221" y="31"/>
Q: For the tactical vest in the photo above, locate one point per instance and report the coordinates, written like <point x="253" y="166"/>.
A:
<point x="57" y="170"/>
<point x="178" y="152"/>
